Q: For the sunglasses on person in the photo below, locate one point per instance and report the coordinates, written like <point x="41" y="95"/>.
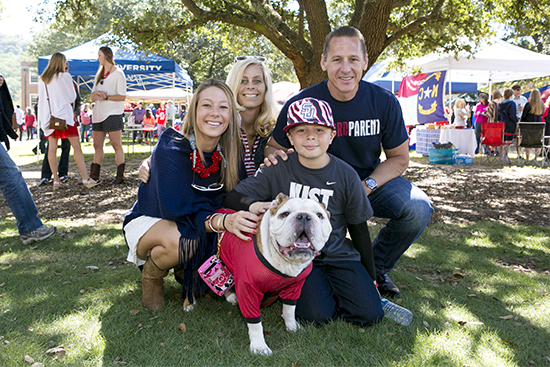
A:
<point x="212" y="187"/>
<point x="242" y="58"/>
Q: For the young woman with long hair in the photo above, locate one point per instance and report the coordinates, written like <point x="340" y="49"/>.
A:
<point x="172" y="221"/>
<point x="56" y="94"/>
<point x="108" y="93"/>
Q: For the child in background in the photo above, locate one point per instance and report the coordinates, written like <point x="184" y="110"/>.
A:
<point x="148" y="123"/>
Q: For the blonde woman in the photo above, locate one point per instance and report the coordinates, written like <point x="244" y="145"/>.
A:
<point x="250" y="81"/>
<point x="56" y="94"/>
<point x="172" y="221"/>
<point x="108" y="93"/>
<point x="532" y="112"/>
<point x="461" y="113"/>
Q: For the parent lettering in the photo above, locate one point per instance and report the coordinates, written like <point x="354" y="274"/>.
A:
<point x="358" y="128"/>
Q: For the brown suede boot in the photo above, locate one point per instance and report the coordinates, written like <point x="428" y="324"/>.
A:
<point x="94" y="171"/>
<point x="119" y="174"/>
<point x="152" y="279"/>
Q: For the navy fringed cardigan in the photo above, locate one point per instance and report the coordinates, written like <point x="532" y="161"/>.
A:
<point x="169" y="195"/>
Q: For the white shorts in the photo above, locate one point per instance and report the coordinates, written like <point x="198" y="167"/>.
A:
<point x="133" y="231"/>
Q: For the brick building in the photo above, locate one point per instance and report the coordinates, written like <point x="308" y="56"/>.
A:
<point x="29" y="84"/>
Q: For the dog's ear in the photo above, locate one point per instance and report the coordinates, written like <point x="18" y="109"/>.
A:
<point x="279" y="200"/>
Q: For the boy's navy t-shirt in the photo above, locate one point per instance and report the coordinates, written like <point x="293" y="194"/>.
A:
<point x="371" y="120"/>
<point x="336" y="185"/>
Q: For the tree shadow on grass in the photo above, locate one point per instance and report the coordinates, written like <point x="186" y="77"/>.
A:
<point x="488" y="278"/>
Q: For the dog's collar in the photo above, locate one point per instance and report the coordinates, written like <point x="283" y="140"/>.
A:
<point x="265" y="262"/>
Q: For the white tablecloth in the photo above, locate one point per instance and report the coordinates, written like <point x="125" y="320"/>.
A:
<point x="463" y="139"/>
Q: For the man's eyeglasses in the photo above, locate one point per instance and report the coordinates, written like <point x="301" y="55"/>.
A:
<point x="242" y="58"/>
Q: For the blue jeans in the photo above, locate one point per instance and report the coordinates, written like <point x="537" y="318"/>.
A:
<point x="85" y="131"/>
<point x="409" y="210"/>
<point x="17" y="194"/>
<point x="339" y="289"/>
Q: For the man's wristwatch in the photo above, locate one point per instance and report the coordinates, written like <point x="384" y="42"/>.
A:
<point x="371" y="183"/>
<point x="106" y="98"/>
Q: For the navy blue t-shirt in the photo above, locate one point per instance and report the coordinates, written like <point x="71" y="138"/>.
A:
<point x="371" y="120"/>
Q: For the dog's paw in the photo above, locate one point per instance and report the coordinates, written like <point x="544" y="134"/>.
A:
<point x="231" y="298"/>
<point x="261" y="349"/>
<point x="293" y="326"/>
<point x="188" y="306"/>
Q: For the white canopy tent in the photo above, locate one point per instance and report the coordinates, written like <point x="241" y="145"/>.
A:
<point x="177" y="95"/>
<point x="499" y="62"/>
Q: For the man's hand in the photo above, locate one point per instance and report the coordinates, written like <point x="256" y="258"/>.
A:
<point x="242" y="224"/>
<point x="272" y="158"/>
<point x="144" y="173"/>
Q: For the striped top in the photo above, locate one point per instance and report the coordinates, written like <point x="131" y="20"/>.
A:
<point x="249" y="155"/>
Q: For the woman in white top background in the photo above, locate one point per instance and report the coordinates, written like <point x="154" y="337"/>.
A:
<point x="56" y="94"/>
<point x="108" y="93"/>
<point x="461" y="113"/>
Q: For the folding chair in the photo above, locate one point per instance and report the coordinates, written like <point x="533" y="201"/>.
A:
<point x="491" y="138"/>
<point x="530" y="136"/>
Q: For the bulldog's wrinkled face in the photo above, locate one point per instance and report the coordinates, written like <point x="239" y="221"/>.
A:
<point x="298" y="228"/>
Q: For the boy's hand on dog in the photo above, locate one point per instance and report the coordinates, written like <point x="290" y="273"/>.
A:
<point x="242" y="224"/>
<point x="259" y="207"/>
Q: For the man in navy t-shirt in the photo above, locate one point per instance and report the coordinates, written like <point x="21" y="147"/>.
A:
<point x="367" y="118"/>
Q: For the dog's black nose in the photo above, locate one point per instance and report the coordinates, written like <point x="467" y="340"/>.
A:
<point x="304" y="217"/>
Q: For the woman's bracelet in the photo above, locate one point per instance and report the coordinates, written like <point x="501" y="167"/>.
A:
<point x="210" y="223"/>
<point x="223" y="223"/>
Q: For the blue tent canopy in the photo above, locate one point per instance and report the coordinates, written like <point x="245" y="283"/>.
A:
<point x="142" y="72"/>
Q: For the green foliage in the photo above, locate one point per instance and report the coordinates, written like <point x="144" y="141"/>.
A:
<point x="12" y="52"/>
<point x="527" y="21"/>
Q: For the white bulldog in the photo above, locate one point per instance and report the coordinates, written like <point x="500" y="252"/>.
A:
<point x="279" y="259"/>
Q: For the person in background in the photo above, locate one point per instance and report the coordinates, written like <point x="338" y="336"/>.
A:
<point x="148" y="124"/>
<point x="56" y="93"/>
<point x="161" y="119"/>
<point x="480" y="116"/>
<point x="85" y="123"/>
<point x="507" y="113"/>
<point x="352" y="101"/>
<point x="20" y="118"/>
<point x="137" y="116"/>
<point x="250" y="81"/>
<point x="532" y="112"/>
<point x="108" y="93"/>
<point x="12" y="184"/>
<point x="461" y="113"/>
<point x="519" y="100"/>
<point x="29" y="120"/>
<point x="183" y="112"/>
<point x="170" y="114"/>
<point x="492" y="109"/>
<point x="153" y="110"/>
<point x="172" y="222"/>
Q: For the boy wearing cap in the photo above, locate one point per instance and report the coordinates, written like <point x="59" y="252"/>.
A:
<point x="341" y="281"/>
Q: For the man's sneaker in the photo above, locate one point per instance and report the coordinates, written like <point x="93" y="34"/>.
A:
<point x="386" y="287"/>
<point x="65" y="179"/>
<point x="43" y="182"/>
<point x="38" y="234"/>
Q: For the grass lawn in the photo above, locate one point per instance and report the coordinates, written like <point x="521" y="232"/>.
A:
<point x="479" y="295"/>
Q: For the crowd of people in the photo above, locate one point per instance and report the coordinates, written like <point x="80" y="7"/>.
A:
<point x="236" y="150"/>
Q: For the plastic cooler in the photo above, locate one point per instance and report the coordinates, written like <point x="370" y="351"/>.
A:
<point x="442" y="156"/>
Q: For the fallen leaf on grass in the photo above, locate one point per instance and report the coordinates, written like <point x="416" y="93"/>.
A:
<point x="531" y="362"/>
<point x="448" y="324"/>
<point x="361" y="330"/>
<point x="507" y="341"/>
<point x="462" y="323"/>
<point x="183" y="327"/>
<point x="39" y="333"/>
<point x="2" y="295"/>
<point x="472" y="295"/>
<point x="2" y="284"/>
<point x="458" y="275"/>
<point x="30" y="329"/>
<point x="37" y="364"/>
<point x="29" y="359"/>
<point x="133" y="312"/>
<point x="105" y="290"/>
<point x="442" y="304"/>
<point x="544" y="293"/>
<point x="92" y="267"/>
<point x="426" y="323"/>
<point x="518" y="324"/>
<point x="60" y="350"/>
<point x="507" y="317"/>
